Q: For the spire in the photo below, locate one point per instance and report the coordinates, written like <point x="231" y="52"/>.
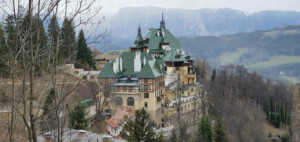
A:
<point x="162" y="22"/>
<point x="139" y="36"/>
<point x="139" y="29"/>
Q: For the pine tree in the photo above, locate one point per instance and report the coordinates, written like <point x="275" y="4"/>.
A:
<point x="285" y="138"/>
<point x="204" y="131"/>
<point x="68" y="41"/>
<point x="272" y="115"/>
<point x="2" y="39"/>
<point x="53" y="33"/>
<point x="213" y="76"/>
<point x="77" y="117"/>
<point x="219" y="134"/>
<point x="48" y="104"/>
<point x="53" y="30"/>
<point x="84" y="54"/>
<point x="40" y="40"/>
<point x="173" y="136"/>
<point x="141" y="129"/>
<point x="48" y="115"/>
<point x="10" y="31"/>
<point x="277" y="120"/>
<point x="267" y="108"/>
<point x="3" y="50"/>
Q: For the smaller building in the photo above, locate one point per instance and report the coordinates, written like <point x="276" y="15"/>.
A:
<point x="113" y="124"/>
<point x="80" y="73"/>
<point x="72" y="135"/>
<point x="102" y="59"/>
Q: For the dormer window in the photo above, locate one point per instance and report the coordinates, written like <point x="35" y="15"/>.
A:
<point x="177" y="56"/>
<point x="128" y="79"/>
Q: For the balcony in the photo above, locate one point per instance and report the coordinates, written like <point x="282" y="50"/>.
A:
<point x="190" y="75"/>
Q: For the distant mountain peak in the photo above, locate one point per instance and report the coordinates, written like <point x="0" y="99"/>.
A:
<point x="198" y="22"/>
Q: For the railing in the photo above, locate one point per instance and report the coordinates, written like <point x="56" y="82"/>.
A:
<point x="126" y="90"/>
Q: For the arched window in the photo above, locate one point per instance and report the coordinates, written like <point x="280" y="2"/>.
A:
<point x="119" y="101"/>
<point x="130" y="101"/>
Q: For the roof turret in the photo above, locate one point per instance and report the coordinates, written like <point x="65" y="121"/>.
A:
<point x="162" y="22"/>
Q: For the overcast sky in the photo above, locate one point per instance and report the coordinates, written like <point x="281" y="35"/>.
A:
<point x="249" y="6"/>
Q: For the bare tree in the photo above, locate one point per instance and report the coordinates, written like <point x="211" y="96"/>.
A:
<point x="25" y="57"/>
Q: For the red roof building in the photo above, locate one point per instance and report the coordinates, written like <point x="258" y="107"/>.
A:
<point x="113" y="124"/>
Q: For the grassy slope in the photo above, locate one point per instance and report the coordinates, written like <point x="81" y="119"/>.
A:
<point x="274" y="130"/>
<point x="276" y="60"/>
<point x="290" y="79"/>
<point x="231" y="57"/>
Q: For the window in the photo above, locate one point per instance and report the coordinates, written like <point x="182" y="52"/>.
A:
<point x="128" y="79"/>
<point x="146" y="87"/>
<point x="146" y="95"/>
<point x="84" y="77"/>
<point x="119" y="101"/>
<point x="146" y="80"/>
<point x="177" y="68"/>
<point x="146" y="104"/>
<point x="92" y="77"/>
<point x="130" y="101"/>
<point x="130" y="88"/>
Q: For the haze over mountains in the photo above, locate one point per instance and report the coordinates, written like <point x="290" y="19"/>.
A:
<point x="258" y="40"/>
<point x="274" y="53"/>
<point x="202" y="22"/>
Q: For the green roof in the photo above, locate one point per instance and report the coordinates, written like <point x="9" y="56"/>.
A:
<point x="87" y="102"/>
<point x="138" y="42"/>
<point x="107" y="71"/>
<point x="171" y="56"/>
<point x="156" y="36"/>
<point x="150" y="70"/>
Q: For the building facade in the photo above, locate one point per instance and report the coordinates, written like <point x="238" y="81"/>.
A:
<point x="139" y="78"/>
<point x="135" y="80"/>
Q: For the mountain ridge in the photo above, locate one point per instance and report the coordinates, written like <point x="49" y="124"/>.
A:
<point x="198" y="22"/>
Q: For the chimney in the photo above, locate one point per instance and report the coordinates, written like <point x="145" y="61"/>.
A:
<point x="137" y="61"/>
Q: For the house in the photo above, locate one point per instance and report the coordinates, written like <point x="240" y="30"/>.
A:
<point x="73" y="135"/>
<point x="139" y="78"/>
<point x="114" y="126"/>
<point x="135" y="80"/>
<point x="80" y="73"/>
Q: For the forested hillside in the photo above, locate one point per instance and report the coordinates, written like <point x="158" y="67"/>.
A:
<point x="270" y="52"/>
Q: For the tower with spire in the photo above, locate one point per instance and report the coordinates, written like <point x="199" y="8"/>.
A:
<point x="162" y="22"/>
<point x="139" y="30"/>
<point x="139" y="77"/>
<point x="139" y="36"/>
